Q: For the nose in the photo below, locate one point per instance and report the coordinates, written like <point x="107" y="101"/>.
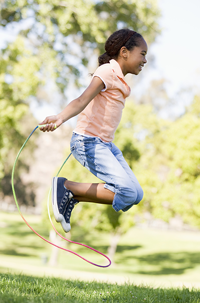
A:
<point x="145" y="60"/>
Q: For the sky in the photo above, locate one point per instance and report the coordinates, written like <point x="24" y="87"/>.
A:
<point x="177" y="49"/>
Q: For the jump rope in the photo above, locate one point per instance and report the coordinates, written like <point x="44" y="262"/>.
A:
<point x="48" y="208"/>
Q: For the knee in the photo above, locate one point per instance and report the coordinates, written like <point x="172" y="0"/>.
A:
<point x="132" y="192"/>
<point x="136" y="194"/>
<point x="140" y="194"/>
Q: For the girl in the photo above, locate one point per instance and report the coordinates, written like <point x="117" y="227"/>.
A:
<point x="100" y="109"/>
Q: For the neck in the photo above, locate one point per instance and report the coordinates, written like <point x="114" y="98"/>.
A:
<point x="122" y="65"/>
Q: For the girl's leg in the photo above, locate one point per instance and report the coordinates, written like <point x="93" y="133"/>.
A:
<point x="90" y="192"/>
<point x="106" y="162"/>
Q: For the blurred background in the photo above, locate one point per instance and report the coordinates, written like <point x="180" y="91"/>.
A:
<point x="48" y="50"/>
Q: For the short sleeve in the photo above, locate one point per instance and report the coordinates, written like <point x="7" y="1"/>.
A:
<point x="105" y="73"/>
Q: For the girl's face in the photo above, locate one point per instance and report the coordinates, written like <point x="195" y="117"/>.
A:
<point x="136" y="58"/>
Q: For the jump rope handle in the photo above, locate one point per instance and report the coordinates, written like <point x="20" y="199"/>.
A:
<point x="43" y="125"/>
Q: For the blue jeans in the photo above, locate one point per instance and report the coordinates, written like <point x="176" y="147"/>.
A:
<point x="106" y="162"/>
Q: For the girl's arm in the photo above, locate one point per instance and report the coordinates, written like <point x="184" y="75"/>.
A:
<point x="74" y="107"/>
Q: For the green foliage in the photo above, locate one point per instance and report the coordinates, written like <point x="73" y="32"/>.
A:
<point x="67" y="32"/>
<point x="170" y="169"/>
<point x="18" y="80"/>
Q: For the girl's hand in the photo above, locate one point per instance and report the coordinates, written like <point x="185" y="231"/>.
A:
<point x="52" y="122"/>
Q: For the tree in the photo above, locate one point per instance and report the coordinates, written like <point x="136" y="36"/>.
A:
<point x="64" y="34"/>
<point x="169" y="169"/>
<point x="180" y="192"/>
<point x="16" y="120"/>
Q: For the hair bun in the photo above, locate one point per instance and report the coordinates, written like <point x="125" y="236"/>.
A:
<point x="105" y="58"/>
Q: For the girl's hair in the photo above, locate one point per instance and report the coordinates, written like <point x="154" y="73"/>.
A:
<point x="122" y="37"/>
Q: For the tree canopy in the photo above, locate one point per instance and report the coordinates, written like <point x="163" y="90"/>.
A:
<point x="52" y="41"/>
<point x="62" y="34"/>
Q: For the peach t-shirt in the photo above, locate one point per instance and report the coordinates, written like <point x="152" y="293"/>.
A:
<point x="102" y="115"/>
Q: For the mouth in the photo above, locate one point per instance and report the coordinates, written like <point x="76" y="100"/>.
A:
<point x="141" y="66"/>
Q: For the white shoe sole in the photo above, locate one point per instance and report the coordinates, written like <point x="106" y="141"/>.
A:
<point x="58" y="217"/>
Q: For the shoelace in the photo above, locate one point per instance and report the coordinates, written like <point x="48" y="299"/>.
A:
<point x="63" y="203"/>
<point x="69" y="211"/>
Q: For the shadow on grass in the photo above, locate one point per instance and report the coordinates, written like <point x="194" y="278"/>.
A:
<point x="22" y="230"/>
<point x="13" y="252"/>
<point x="123" y="248"/>
<point x="164" y="263"/>
<point x="91" y="240"/>
<point x="104" y="248"/>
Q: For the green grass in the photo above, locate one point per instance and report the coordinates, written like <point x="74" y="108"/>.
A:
<point x="21" y="289"/>
<point x="156" y="258"/>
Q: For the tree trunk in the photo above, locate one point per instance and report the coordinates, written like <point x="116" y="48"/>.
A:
<point x="54" y="238"/>
<point x="115" y="236"/>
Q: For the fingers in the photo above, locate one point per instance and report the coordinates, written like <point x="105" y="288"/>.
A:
<point x="47" y="127"/>
<point x="49" y="124"/>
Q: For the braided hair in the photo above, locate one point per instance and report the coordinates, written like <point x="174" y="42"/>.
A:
<point x="122" y="37"/>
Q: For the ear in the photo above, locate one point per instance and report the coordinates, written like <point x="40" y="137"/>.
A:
<point x="123" y="52"/>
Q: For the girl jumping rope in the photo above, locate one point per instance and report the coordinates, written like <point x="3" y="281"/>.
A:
<point x="100" y="109"/>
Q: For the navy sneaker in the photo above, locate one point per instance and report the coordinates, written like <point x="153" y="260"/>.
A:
<point x="62" y="203"/>
<point x="66" y="224"/>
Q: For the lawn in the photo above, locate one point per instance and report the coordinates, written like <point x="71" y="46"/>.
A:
<point x="156" y="258"/>
<point x="21" y="289"/>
